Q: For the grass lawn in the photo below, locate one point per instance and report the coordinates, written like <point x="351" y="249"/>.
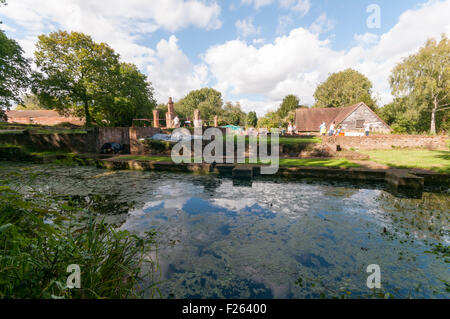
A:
<point x="147" y="158"/>
<point x="412" y="158"/>
<point x="284" y="162"/>
<point x="52" y="153"/>
<point x="332" y="163"/>
<point x="299" y="140"/>
<point x="285" y="140"/>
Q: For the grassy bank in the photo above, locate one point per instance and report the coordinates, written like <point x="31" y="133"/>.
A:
<point x="412" y="158"/>
<point x="282" y="140"/>
<point x="285" y="162"/>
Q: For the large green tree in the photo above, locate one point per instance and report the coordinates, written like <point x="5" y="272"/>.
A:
<point x="79" y="76"/>
<point x="233" y="114"/>
<point x="424" y="80"/>
<point x="270" y="120"/>
<point x="209" y="99"/>
<point x="252" y="119"/>
<point x="344" y="88"/>
<point x="14" y="72"/>
<point x="290" y="103"/>
<point x="129" y="96"/>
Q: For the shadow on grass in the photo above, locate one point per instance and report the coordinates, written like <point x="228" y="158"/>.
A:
<point x="445" y="155"/>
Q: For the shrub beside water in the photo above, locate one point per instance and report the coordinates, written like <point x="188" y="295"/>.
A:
<point x="39" y="240"/>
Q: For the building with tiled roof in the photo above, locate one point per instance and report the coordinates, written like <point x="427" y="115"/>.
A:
<point x="41" y="117"/>
<point x="350" y="118"/>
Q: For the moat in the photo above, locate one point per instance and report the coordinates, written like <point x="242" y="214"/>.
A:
<point x="271" y="238"/>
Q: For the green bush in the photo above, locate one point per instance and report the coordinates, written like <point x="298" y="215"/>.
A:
<point x="159" y="146"/>
<point x="399" y="129"/>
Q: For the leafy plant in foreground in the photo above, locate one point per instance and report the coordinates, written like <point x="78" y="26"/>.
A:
<point x="37" y="243"/>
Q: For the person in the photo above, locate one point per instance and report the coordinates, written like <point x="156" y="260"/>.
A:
<point x="323" y="129"/>
<point x="187" y="122"/>
<point x="367" y="128"/>
<point x="339" y="130"/>
<point x="290" y="128"/>
<point x="331" y="131"/>
<point x="176" y="122"/>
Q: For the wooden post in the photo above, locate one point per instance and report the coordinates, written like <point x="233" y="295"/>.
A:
<point x="216" y="121"/>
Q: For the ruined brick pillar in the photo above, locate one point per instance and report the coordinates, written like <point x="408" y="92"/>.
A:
<point x="170" y="114"/>
<point x="156" y="118"/>
<point x="216" y="121"/>
<point x="170" y="107"/>
<point x="197" y="119"/>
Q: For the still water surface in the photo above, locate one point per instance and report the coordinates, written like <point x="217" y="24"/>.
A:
<point x="276" y="238"/>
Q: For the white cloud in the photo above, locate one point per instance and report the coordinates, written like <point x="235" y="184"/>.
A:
<point x="366" y="39"/>
<point x="260" y="107"/>
<point x="284" y="23"/>
<point x="7" y="28"/>
<point x="322" y="24"/>
<point x="301" y="6"/>
<point x="292" y="64"/>
<point x="122" y="24"/>
<point x="257" y="3"/>
<point x="296" y="63"/>
<point x="258" y="41"/>
<point x="172" y="74"/>
<point x="246" y="28"/>
<point x="119" y="23"/>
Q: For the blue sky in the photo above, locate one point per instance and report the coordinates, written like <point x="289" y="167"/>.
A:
<point x="254" y="51"/>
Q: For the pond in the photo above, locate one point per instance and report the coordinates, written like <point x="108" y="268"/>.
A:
<point x="270" y="238"/>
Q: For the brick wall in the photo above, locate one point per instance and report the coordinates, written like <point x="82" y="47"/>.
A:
<point x="79" y="143"/>
<point x="47" y="120"/>
<point x="90" y="142"/>
<point x="119" y="135"/>
<point x="381" y="142"/>
<point x="135" y="133"/>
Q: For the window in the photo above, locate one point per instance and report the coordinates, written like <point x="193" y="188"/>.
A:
<point x="360" y="123"/>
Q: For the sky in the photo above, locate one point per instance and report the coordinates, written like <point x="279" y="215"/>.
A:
<point x="253" y="51"/>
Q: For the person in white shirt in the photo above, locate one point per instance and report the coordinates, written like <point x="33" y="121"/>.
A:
<point x="331" y="131"/>
<point x="176" y="122"/>
<point x="290" y="129"/>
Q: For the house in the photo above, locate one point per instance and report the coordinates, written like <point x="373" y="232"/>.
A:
<point x="350" y="118"/>
<point x="41" y="117"/>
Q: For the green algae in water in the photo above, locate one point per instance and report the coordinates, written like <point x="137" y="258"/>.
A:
<point x="271" y="238"/>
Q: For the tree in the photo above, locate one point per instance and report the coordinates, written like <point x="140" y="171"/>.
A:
<point x="30" y="102"/>
<point x="252" y="119"/>
<point x="344" y="88"/>
<point x="424" y="78"/>
<point x="74" y="72"/>
<point x="130" y="96"/>
<point x="270" y="120"/>
<point x="290" y="103"/>
<point x="212" y="103"/>
<point x="14" y="72"/>
<point x="233" y="114"/>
